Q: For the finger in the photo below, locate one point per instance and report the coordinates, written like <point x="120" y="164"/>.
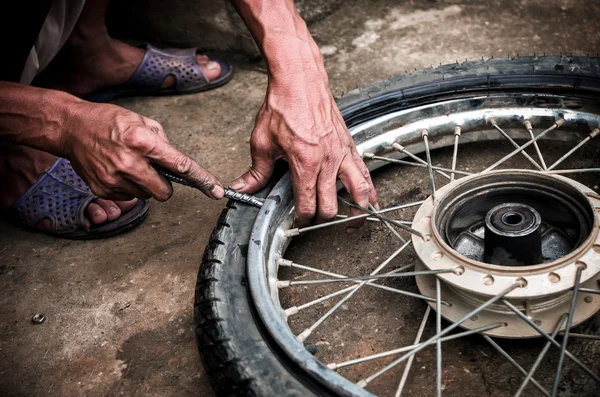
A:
<point x="327" y="206"/>
<point x="172" y="159"/>
<point x="111" y="209"/>
<point x="367" y="175"/>
<point x="359" y="190"/>
<point x="96" y="214"/>
<point x="304" y="181"/>
<point x="258" y="175"/>
<point x="151" y="182"/>
<point x="125" y="206"/>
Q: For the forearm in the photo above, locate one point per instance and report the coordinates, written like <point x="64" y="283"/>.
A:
<point x="34" y="117"/>
<point x="283" y="39"/>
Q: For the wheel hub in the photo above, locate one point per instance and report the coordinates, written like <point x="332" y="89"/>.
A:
<point x="503" y="227"/>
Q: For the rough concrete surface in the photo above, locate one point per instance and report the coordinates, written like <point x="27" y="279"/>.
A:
<point x="120" y="310"/>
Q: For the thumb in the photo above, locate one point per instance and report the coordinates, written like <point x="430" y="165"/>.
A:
<point x="257" y="176"/>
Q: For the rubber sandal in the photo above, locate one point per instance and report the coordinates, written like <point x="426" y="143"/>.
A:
<point x="62" y="196"/>
<point x="160" y="63"/>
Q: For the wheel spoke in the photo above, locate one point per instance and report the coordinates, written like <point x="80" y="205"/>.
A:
<point x="370" y="219"/>
<point x="434" y="338"/>
<point x="514" y="363"/>
<point x="540" y="356"/>
<point x="554" y="126"/>
<point x="403" y="150"/>
<point x="565" y="340"/>
<point x="306" y="333"/>
<point x="529" y="129"/>
<point x="582" y="336"/>
<point x="410" y="360"/>
<point x="589" y="290"/>
<point x="457" y="132"/>
<point x="575" y="171"/>
<point x="591" y="136"/>
<point x="438" y="329"/>
<point x="436" y="168"/>
<point x="425" y="135"/>
<point x="294" y="309"/>
<point x="298" y="231"/>
<point x="550" y="339"/>
<point x="410" y="347"/>
<point x="516" y="145"/>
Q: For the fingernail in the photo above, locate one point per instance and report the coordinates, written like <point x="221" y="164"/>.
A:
<point x="350" y="230"/>
<point x="238" y="184"/>
<point x="98" y="213"/>
<point x="112" y="209"/>
<point x="217" y="192"/>
<point x="212" y="65"/>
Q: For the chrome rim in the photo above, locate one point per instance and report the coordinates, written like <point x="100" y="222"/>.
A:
<point x="510" y="302"/>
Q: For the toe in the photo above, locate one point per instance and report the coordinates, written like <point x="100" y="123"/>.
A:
<point x="111" y="209"/>
<point x="202" y="59"/>
<point x="211" y="70"/>
<point x="126" y="205"/>
<point x="96" y="214"/>
<point x="45" y="224"/>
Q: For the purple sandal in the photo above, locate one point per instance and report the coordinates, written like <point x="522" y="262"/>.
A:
<point x="160" y="63"/>
<point x="62" y="196"/>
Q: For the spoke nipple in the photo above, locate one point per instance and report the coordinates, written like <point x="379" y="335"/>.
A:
<point x="332" y="366"/>
<point x="559" y="122"/>
<point x="457" y="130"/>
<point x="284" y="262"/>
<point x="291" y="232"/>
<point x="595" y="132"/>
<point x="528" y="126"/>
<point x="424" y="132"/>
<point x="283" y="284"/>
<point x="305" y="334"/>
<point x="491" y="121"/>
<point x="362" y="384"/>
<point x="368" y="155"/>
<point x="398" y="146"/>
<point x="522" y="282"/>
<point x="291" y="311"/>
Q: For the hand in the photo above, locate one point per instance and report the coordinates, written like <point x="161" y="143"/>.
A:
<point x="112" y="148"/>
<point x="300" y="122"/>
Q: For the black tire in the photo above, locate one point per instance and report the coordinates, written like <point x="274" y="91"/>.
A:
<point x="237" y="352"/>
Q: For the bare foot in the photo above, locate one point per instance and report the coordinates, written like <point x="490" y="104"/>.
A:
<point x="21" y="166"/>
<point x="101" y="62"/>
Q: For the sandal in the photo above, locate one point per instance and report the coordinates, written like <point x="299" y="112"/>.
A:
<point x="156" y="66"/>
<point x="62" y="196"/>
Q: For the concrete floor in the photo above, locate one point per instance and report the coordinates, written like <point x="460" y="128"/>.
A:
<point x="120" y="310"/>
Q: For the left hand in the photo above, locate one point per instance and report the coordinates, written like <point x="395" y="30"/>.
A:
<point x="300" y="122"/>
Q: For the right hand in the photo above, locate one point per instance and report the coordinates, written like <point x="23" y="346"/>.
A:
<point x="113" y="148"/>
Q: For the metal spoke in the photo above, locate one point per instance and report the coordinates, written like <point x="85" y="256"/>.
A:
<point x="293" y="283"/>
<point x="514" y="363"/>
<point x="582" y="336"/>
<point x="554" y="126"/>
<point x="550" y="339"/>
<point x="294" y="309"/>
<point x="529" y="129"/>
<point x="438" y="329"/>
<point x="516" y="145"/>
<point x="457" y="132"/>
<point x="434" y="338"/>
<point x="540" y="356"/>
<point x="575" y="171"/>
<point x="386" y="220"/>
<point x="410" y="347"/>
<point x="297" y="231"/>
<point x="588" y="138"/>
<point x="306" y="333"/>
<point x="410" y="360"/>
<point x="425" y="135"/>
<point x="370" y="219"/>
<point x="420" y="165"/>
<point x="563" y="348"/>
<point x="403" y="150"/>
<point x="589" y="290"/>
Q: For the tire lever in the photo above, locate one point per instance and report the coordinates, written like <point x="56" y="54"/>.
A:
<point x="229" y="193"/>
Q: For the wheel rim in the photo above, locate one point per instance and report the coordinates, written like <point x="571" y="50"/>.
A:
<point x="396" y="137"/>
